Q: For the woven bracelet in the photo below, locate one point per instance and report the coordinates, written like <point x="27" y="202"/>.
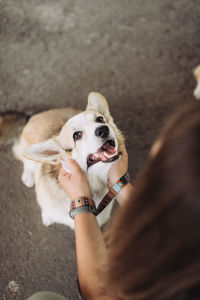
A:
<point x="80" y="205"/>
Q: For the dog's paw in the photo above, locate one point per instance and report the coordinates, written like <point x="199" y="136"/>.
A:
<point x="46" y="219"/>
<point x="27" y="179"/>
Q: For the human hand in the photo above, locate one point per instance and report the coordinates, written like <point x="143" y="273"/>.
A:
<point x="120" y="167"/>
<point x="74" y="183"/>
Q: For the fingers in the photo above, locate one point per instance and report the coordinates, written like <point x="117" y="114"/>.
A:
<point x="63" y="176"/>
<point x="63" y="172"/>
<point x="74" y="183"/>
<point x="122" y="150"/>
<point x="73" y="167"/>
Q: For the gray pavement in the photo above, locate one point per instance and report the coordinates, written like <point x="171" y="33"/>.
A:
<point x="138" y="54"/>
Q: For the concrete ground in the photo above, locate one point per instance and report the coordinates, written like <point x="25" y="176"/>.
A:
<point x="139" y="54"/>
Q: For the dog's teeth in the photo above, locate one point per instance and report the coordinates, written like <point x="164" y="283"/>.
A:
<point x="109" y="156"/>
<point x="106" y="154"/>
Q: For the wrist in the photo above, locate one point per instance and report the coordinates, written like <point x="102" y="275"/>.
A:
<point x="113" y="191"/>
<point x="125" y="194"/>
<point x="120" y="183"/>
<point x="81" y="195"/>
<point x="114" y="180"/>
<point x="82" y="205"/>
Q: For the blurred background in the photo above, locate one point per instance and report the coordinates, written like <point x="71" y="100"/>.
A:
<point x="139" y="54"/>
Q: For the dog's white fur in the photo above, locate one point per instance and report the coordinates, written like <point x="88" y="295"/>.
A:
<point x="47" y="138"/>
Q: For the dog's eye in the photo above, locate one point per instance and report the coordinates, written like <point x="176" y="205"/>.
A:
<point x="77" y="135"/>
<point x="99" y="120"/>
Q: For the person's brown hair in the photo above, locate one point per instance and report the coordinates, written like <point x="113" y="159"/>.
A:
<point x="155" y="241"/>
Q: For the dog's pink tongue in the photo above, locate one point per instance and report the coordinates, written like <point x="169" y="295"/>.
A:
<point x="104" y="153"/>
<point x="98" y="156"/>
<point x="109" y="149"/>
<point x="106" y="150"/>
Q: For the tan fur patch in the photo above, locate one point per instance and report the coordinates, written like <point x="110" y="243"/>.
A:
<point x="51" y="171"/>
<point x="50" y="152"/>
<point x="44" y="125"/>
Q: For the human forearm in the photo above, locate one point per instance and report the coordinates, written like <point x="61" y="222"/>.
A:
<point x="90" y="245"/>
<point x="125" y="194"/>
<point x="118" y="169"/>
<point x="91" y="252"/>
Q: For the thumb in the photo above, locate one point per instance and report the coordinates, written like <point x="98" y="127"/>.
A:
<point x="72" y="165"/>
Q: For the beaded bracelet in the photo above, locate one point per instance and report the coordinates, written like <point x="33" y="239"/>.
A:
<point x="82" y="204"/>
<point x="85" y="204"/>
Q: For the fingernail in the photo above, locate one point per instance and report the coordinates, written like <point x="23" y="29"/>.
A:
<point x="65" y="167"/>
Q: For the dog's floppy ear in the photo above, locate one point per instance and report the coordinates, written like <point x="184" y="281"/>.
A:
<point x="65" y="138"/>
<point x="99" y="104"/>
<point x="44" y="152"/>
<point x="49" y="151"/>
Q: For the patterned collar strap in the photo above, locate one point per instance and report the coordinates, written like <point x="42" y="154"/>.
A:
<point x="114" y="190"/>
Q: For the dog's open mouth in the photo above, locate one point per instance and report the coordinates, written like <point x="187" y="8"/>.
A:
<point x="107" y="153"/>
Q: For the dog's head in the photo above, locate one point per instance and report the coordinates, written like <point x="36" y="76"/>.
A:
<point x="91" y="138"/>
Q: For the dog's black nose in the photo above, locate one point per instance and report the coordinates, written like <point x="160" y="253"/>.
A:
<point x="102" y="131"/>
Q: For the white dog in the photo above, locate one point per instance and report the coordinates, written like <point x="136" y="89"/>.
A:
<point x="89" y="137"/>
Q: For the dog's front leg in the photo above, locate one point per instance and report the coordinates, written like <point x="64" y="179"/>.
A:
<point x="28" y="172"/>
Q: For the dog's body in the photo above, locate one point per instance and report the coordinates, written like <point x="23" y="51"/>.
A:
<point x="62" y="133"/>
